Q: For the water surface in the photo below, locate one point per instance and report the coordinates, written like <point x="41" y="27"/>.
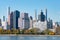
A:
<point x="29" y="37"/>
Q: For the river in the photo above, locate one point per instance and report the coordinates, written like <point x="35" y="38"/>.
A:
<point x="29" y="37"/>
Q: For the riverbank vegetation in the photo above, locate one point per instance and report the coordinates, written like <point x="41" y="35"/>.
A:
<point x="33" y="31"/>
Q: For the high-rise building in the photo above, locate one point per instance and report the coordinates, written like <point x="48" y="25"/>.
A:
<point x="49" y="24"/>
<point x="3" y="18"/>
<point x="41" y="23"/>
<point x="35" y="15"/>
<point x="24" y="22"/>
<point x="16" y="15"/>
<point x="41" y="17"/>
<point x="46" y="14"/>
<point x="11" y="20"/>
<point x="46" y="17"/>
<point x="31" y="22"/>
<point x="0" y="22"/>
<point x="58" y="24"/>
<point x="4" y="23"/>
<point x="8" y="18"/>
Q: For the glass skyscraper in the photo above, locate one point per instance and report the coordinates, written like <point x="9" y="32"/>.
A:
<point x="11" y="20"/>
<point x="41" y="17"/>
<point x="16" y="15"/>
<point x="50" y="24"/>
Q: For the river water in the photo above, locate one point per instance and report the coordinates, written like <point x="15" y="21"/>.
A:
<point x="29" y="37"/>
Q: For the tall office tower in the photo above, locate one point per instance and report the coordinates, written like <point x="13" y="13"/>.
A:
<point x="0" y="22"/>
<point x="36" y="15"/>
<point x="50" y="24"/>
<point x="31" y="22"/>
<point x="24" y="22"/>
<point x="46" y="18"/>
<point x="11" y="21"/>
<point x="6" y="24"/>
<point x="3" y="18"/>
<point x="8" y="18"/>
<point x="41" y="17"/>
<point x="16" y="15"/>
<point x="46" y="14"/>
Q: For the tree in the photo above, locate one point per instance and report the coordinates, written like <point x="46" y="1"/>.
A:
<point x="48" y="32"/>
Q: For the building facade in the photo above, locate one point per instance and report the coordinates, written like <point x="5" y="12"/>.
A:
<point x="24" y="22"/>
<point x="31" y="22"/>
<point x="0" y="22"/>
<point x="41" y="23"/>
<point x="49" y="24"/>
<point x="8" y="21"/>
<point x="4" y="23"/>
<point x="11" y="20"/>
<point x="41" y="17"/>
<point x="16" y="15"/>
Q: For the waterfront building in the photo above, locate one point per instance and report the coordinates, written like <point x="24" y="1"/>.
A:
<point x="41" y="23"/>
<point x="46" y="14"/>
<point x="58" y="24"/>
<point x="4" y="23"/>
<point x="50" y="24"/>
<point x="11" y="21"/>
<point x="31" y="22"/>
<point x="8" y="21"/>
<point x="0" y="23"/>
<point x="41" y="17"/>
<point x="7" y="28"/>
<point x="35" y="21"/>
<point x="58" y="31"/>
<point x="24" y="22"/>
<point x="16" y="15"/>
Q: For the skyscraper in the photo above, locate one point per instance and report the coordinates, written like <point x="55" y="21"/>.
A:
<point x="46" y="18"/>
<point x="0" y="22"/>
<point x="11" y="21"/>
<point x="31" y="22"/>
<point x="8" y="18"/>
<point x="3" y="18"/>
<point x="46" y="14"/>
<point x="16" y="15"/>
<point x="41" y="17"/>
<point x="36" y="15"/>
<point x="24" y="22"/>
<point x="50" y="24"/>
<point x="4" y="23"/>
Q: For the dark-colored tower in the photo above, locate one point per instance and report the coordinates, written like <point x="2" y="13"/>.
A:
<point x="41" y="17"/>
<point x="50" y="24"/>
<point x="8" y="10"/>
<point x="11" y="20"/>
<point x="16" y="15"/>
<point x="0" y="23"/>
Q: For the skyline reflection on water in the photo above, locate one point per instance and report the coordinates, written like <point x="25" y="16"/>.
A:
<point x="29" y="37"/>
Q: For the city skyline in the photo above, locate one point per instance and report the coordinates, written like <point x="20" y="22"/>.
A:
<point x="30" y="6"/>
<point x="17" y="21"/>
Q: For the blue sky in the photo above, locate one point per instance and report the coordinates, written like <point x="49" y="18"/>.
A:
<point x="29" y="6"/>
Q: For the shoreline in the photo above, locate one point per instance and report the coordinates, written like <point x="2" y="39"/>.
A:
<point x="26" y="35"/>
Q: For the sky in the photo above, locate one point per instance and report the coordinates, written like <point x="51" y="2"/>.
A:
<point x="29" y="6"/>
